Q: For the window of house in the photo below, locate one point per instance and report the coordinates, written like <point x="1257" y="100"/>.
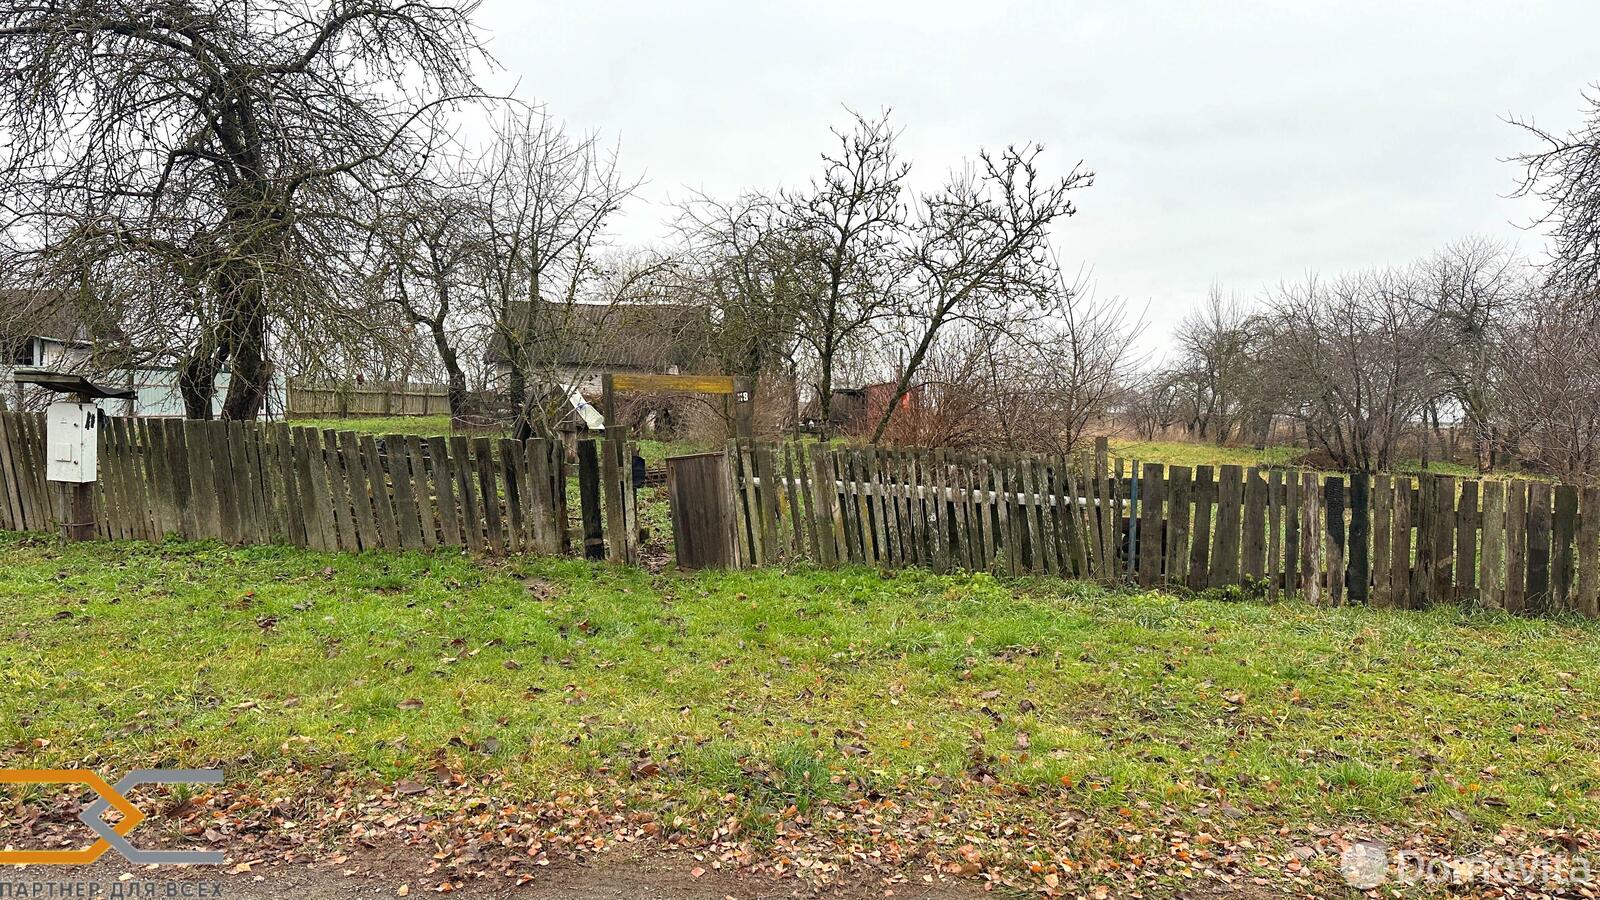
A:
<point x="22" y="354"/>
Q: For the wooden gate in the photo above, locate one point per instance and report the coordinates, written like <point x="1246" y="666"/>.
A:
<point x="698" y="488"/>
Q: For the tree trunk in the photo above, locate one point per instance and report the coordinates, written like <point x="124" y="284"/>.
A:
<point x="197" y="384"/>
<point x="824" y="396"/>
<point x="456" y="394"/>
<point x="457" y="379"/>
<point x="244" y="329"/>
<point x="903" y="386"/>
<point x="1483" y="446"/>
<point x="517" y="388"/>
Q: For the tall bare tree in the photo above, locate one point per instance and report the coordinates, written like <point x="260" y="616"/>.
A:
<point x="1345" y="351"/>
<point x="548" y="198"/>
<point x="217" y="145"/>
<point x="1217" y="367"/>
<point x="980" y="253"/>
<point x="1473" y="289"/>
<point x="850" y="222"/>
<point x="1565" y="173"/>
<point x="428" y="251"/>
<point x="745" y="266"/>
<point x="1550" y="385"/>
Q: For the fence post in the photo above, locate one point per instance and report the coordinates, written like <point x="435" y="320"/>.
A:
<point x="594" y="536"/>
<point x="1333" y="487"/>
<point x="1360" y="530"/>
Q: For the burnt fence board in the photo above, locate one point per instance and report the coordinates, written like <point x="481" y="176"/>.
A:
<point x="1465" y="554"/>
<point x="1334" y="545"/>
<point x="1358" y="542"/>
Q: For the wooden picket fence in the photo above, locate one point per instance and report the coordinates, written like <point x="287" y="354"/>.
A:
<point x="250" y="483"/>
<point x="1389" y="540"/>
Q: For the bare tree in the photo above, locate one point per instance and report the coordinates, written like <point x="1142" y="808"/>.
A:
<point x="429" y="251"/>
<point x="1565" y="173"/>
<point x="1037" y="389"/>
<point x="980" y="254"/>
<point x="1217" y="368"/>
<point x="1345" y="351"/>
<point x="547" y="200"/>
<point x="1474" y="288"/>
<point x="745" y="266"/>
<point x="1152" y="401"/>
<point x="215" y="145"/>
<point x="850" y="222"/>
<point x="1550" y="390"/>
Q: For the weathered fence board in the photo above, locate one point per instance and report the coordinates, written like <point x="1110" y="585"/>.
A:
<point x="1385" y="540"/>
<point x="252" y="483"/>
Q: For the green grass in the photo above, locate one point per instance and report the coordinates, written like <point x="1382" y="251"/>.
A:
<point x="775" y="688"/>
<point x="1182" y="453"/>
<point x="427" y="426"/>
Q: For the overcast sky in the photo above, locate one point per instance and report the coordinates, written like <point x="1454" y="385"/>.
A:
<point x="1238" y="142"/>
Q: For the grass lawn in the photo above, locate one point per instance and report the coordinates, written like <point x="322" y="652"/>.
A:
<point x="427" y="426"/>
<point x="1182" y="453"/>
<point x="759" y="697"/>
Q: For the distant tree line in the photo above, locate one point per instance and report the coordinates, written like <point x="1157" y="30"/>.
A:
<point x="1357" y="364"/>
<point x="1506" y="348"/>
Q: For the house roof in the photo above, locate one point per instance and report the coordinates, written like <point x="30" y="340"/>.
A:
<point x="57" y="315"/>
<point x="636" y="336"/>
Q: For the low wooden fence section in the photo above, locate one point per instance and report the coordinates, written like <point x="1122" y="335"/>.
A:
<point x="248" y="483"/>
<point x="308" y="398"/>
<point x="1389" y="540"/>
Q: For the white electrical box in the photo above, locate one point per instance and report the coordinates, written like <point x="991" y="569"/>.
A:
<point x="71" y="442"/>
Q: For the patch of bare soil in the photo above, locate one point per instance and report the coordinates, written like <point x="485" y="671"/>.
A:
<point x="635" y="873"/>
<point x="627" y="873"/>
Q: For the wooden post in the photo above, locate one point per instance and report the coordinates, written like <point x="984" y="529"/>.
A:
<point x="608" y="399"/>
<point x="1333" y="489"/>
<point x="744" y="407"/>
<point x="1360" y="571"/>
<point x="594" y="532"/>
<point x="77" y="502"/>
